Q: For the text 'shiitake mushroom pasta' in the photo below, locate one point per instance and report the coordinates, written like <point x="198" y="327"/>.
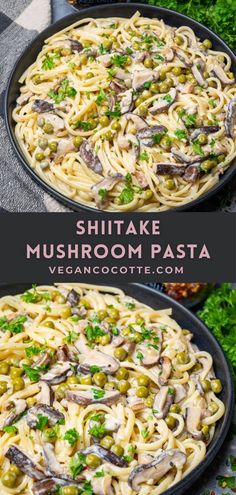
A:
<point x="100" y="394"/>
<point x="128" y="114"/>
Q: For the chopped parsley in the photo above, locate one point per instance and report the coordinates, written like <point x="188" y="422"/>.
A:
<point x="103" y="194"/>
<point x="171" y="391"/>
<point x="33" y="296"/>
<point x="76" y="464"/>
<point x="140" y="356"/>
<point x="130" y="305"/>
<point x="212" y="103"/>
<point x="94" y="369"/>
<point x="49" y="61"/>
<point x="167" y="98"/>
<point x="227" y="481"/>
<point x="92" y="332"/>
<point x="13" y="326"/>
<point x="10" y="429"/>
<point x="197" y="148"/>
<point x="98" y="393"/>
<point x="119" y="60"/>
<point x="97" y="431"/>
<point x="159" y="57"/>
<point x="114" y="114"/>
<point x="32" y="373"/>
<point x="189" y="120"/>
<point x="147" y="84"/>
<point x="71" y="436"/>
<point x="101" y="97"/>
<point x="111" y="72"/>
<point x="82" y="124"/>
<point x="157" y="138"/>
<point x="181" y="134"/>
<point x="145" y="433"/>
<point x="128" y="50"/>
<point x="63" y="91"/>
<point x="71" y="337"/>
<point x="102" y="49"/>
<point x="42" y="422"/>
<point x="126" y="196"/>
<point x="99" y="474"/>
<point x="32" y="350"/>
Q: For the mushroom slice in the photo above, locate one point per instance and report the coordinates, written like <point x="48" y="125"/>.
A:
<point x="117" y="86"/>
<point x="44" y="360"/>
<point x="102" y="486"/>
<point x="64" y="354"/>
<point x="19" y="409"/>
<point x="135" y="403"/>
<point x="122" y="75"/>
<point x="180" y="392"/>
<point x="73" y="298"/>
<point x="75" y="45"/>
<point x="105" y="454"/>
<point x="150" y="354"/>
<point x="220" y="73"/>
<point x="57" y="374"/>
<point x="165" y="363"/>
<point x="192" y="173"/>
<point x="51" y="463"/>
<point x="107" y="363"/>
<point x="52" y="414"/>
<point x="111" y="423"/>
<point x="170" y="169"/>
<point x="106" y="184"/>
<point x="126" y="103"/>
<point x="197" y="70"/>
<point x="40" y="106"/>
<point x="64" y="147"/>
<point x="139" y="122"/>
<point x="48" y="486"/>
<point x="20" y="459"/>
<point x="230" y="118"/>
<point x="182" y="57"/>
<point x="208" y="129"/>
<point x="93" y="396"/>
<point x="193" y="418"/>
<point x="156" y="469"/>
<point x="163" y="103"/>
<point x="147" y="134"/>
<point x="163" y="401"/>
<point x="182" y="157"/>
<point x="91" y="160"/>
<point x="140" y="77"/>
<point x="57" y="122"/>
<point x="24" y="98"/>
<point x="46" y="395"/>
<point x="82" y="345"/>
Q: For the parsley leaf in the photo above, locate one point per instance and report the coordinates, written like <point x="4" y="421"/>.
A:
<point x="82" y="124"/>
<point x="63" y="91"/>
<point x="140" y="356"/>
<point x="101" y="97"/>
<point x="94" y="369"/>
<point x="103" y="193"/>
<point x="10" y="429"/>
<point x="119" y="60"/>
<point x="76" y="464"/>
<point x="197" y="148"/>
<point x="145" y="433"/>
<point x="226" y="481"/>
<point x="97" y="431"/>
<point x="99" y="474"/>
<point x="144" y="155"/>
<point x="33" y="296"/>
<point x="181" y="134"/>
<point x="126" y="196"/>
<point x="130" y="305"/>
<point x="32" y="373"/>
<point x="13" y="326"/>
<point x="49" y="62"/>
<point x="32" y="350"/>
<point x="71" y="337"/>
<point x="98" y="393"/>
<point x="71" y="436"/>
<point x="167" y="98"/>
<point x="42" y="422"/>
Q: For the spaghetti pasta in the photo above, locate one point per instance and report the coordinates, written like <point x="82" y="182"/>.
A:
<point x="128" y="114"/>
<point x="100" y="394"/>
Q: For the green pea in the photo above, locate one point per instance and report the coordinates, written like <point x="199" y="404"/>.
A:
<point x="107" y="442"/>
<point x="164" y="88"/>
<point x="169" y="81"/>
<point x="175" y="408"/>
<point x="148" y="63"/>
<point x="208" y="165"/>
<point x="15" y="470"/>
<point x="136" y="46"/>
<point x="177" y="71"/>
<point x="120" y="353"/>
<point x="39" y="156"/>
<point x="86" y="380"/>
<point x="143" y="380"/>
<point x="220" y="158"/>
<point x="89" y="75"/>
<point x="31" y="401"/>
<point x="207" y="44"/>
<point x="18" y="384"/>
<point x="216" y="386"/>
<point x="136" y="337"/>
<point x="205" y="430"/>
<point x="37" y="79"/>
<point x="123" y="386"/>
<point x="212" y="84"/>
<point x="93" y="123"/>
<point x="230" y="75"/>
<point x="93" y="461"/>
<point x="65" y="52"/>
<point x="202" y="139"/>
<point x="70" y="490"/>
<point x="206" y="385"/>
<point x="3" y="387"/>
<point x="147" y="194"/>
<point x="182" y="357"/>
<point x="165" y="142"/>
<point x="9" y="479"/>
<point x="48" y="128"/>
<point x="84" y="302"/>
<point x="58" y="297"/>
<point x="16" y="372"/>
<point x="107" y="43"/>
<point x="60" y="391"/>
<point x="178" y="40"/>
<point x="72" y="380"/>
<point x="77" y="141"/>
<point x="142" y="392"/>
<point x="126" y="331"/>
<point x="154" y="88"/>
<point x="49" y="324"/>
<point x="50" y="435"/>
<point x="213" y="408"/>
<point x="138" y="101"/>
<point x="170" y="184"/>
<point x="41" y="122"/>
<point x="4" y="368"/>
<point x="146" y="95"/>
<point x="105" y="339"/>
<point x="83" y="59"/>
<point x="65" y="313"/>
<point x="42" y="143"/>
<point x="206" y="74"/>
<point x="143" y="110"/>
<point x="100" y="379"/>
<point x="114" y="313"/>
<point x="139" y="320"/>
<point x="118" y="450"/>
<point x="128" y="61"/>
<point x="116" y="126"/>
<point x="122" y="374"/>
<point x="182" y="78"/>
<point x="170" y="421"/>
<point x="109" y="135"/>
<point x="149" y="401"/>
<point x="104" y="121"/>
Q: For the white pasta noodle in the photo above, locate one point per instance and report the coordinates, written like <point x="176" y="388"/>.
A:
<point x="149" y="354"/>
<point x="118" y="71"/>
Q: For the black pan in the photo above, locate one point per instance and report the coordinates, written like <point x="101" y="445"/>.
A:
<point x="206" y="341"/>
<point x="171" y="17"/>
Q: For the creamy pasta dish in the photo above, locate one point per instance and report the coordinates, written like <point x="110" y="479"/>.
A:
<point x="99" y="394"/>
<point x="128" y="114"/>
